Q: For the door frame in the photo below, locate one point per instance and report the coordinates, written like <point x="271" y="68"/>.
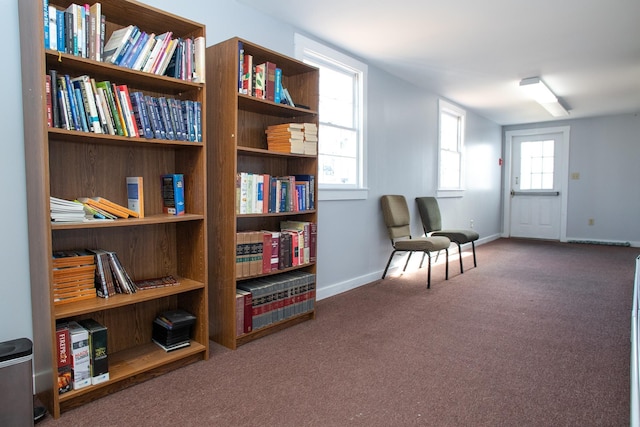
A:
<point x="563" y="172"/>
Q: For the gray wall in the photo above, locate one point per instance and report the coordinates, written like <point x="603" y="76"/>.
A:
<point x="353" y="247"/>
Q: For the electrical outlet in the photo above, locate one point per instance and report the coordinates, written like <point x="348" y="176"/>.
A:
<point x="591" y="221"/>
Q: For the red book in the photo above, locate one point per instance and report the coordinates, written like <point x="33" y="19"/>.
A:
<point x="64" y="357"/>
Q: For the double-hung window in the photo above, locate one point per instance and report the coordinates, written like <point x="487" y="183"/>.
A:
<point x="341" y="138"/>
<point x="451" y="125"/>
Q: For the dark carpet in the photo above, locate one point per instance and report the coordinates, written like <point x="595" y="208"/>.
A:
<point x="536" y="335"/>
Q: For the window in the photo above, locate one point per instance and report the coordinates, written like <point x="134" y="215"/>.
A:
<point x="536" y="165"/>
<point x="342" y="172"/>
<point x="451" y="150"/>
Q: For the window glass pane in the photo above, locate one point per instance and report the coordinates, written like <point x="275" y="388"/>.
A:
<point x="449" y="130"/>
<point x="536" y="165"/>
<point x="336" y="97"/>
<point x="449" y="169"/>
<point x="338" y="141"/>
<point x="337" y="170"/>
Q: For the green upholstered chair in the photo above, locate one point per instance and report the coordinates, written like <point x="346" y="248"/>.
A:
<point x="432" y="225"/>
<point x="397" y="219"/>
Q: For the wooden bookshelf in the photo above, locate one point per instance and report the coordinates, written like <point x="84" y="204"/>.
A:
<point x="70" y="164"/>
<point x="238" y="144"/>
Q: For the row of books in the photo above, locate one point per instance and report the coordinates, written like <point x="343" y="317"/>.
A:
<point x="264" y="251"/>
<point x="82" y="355"/>
<point x="295" y="138"/>
<point x="80" y="30"/>
<point x="81" y="103"/>
<point x="263" y="81"/>
<point x="262" y="302"/>
<point x="263" y="193"/>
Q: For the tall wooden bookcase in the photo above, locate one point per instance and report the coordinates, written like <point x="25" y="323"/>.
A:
<point x="237" y="124"/>
<point x="69" y="164"/>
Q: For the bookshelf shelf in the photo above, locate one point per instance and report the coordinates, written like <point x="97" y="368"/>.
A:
<point x="68" y="164"/>
<point x="239" y="144"/>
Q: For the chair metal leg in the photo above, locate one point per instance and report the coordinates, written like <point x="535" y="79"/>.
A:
<point x="446" y="268"/>
<point x="429" y="272"/>
<point x="422" y="260"/>
<point x="407" y="263"/>
<point x="388" y="264"/>
<point x="473" y="246"/>
<point x="460" y="256"/>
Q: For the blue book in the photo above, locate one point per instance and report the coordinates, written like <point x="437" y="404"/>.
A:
<point x="61" y="27"/>
<point x="277" y="94"/>
<point x="197" y="107"/>
<point x="72" y="102"/>
<point x="165" y="116"/>
<point x="141" y="114"/>
<point x="173" y="194"/>
<point x="131" y="56"/>
<point x="82" y="115"/>
<point x="187" y="112"/>
<point x="130" y="41"/>
<point x="154" y="117"/>
<point x="45" y="11"/>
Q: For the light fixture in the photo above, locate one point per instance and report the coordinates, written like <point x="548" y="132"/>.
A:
<point x="536" y="89"/>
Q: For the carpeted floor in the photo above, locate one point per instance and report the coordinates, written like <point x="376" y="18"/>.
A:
<point x="536" y="335"/>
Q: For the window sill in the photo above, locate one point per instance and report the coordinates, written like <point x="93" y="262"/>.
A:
<point x="343" y="194"/>
<point x="449" y="193"/>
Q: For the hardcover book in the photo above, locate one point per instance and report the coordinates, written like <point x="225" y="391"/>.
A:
<point x="64" y="358"/>
<point x="81" y="372"/>
<point x="99" y="362"/>
<point x="173" y="194"/>
<point x="135" y="195"/>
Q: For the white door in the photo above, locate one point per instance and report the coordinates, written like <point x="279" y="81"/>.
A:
<point x="536" y="188"/>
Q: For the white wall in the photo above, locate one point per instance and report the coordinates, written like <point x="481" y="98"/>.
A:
<point x="15" y="294"/>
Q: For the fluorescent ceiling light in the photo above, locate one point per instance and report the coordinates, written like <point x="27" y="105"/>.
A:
<point x="537" y="90"/>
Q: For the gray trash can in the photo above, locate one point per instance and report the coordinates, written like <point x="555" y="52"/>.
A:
<point x="16" y="383"/>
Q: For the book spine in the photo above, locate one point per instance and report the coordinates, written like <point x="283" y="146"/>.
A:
<point x="166" y="117"/>
<point x="277" y="86"/>
<point x="153" y="117"/>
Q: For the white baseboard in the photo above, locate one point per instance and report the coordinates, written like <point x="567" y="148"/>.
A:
<point x="347" y="285"/>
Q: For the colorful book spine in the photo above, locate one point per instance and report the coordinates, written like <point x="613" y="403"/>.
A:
<point x="173" y="194"/>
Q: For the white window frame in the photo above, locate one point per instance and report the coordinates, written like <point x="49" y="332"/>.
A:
<point x="449" y="108"/>
<point x="307" y="49"/>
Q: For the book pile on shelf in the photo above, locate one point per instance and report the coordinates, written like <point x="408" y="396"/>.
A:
<point x="81" y="354"/>
<point x="263" y="81"/>
<point x="275" y="298"/>
<point x="62" y="210"/>
<point x="172" y="329"/>
<point x="259" y="252"/>
<point x="73" y="276"/>
<point x="263" y="193"/>
<point x="84" y="104"/>
<point x="107" y="209"/>
<point x="79" y="30"/>
<point x="294" y="138"/>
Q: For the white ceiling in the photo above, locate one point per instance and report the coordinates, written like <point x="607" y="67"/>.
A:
<point x="476" y="52"/>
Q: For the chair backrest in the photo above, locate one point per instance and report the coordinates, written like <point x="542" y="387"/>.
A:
<point x="396" y="216"/>
<point x="429" y="214"/>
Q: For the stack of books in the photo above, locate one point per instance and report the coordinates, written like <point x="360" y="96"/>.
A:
<point x="310" y="138"/>
<point x="286" y="138"/>
<point x="172" y="329"/>
<point x="62" y="210"/>
<point x="73" y="276"/>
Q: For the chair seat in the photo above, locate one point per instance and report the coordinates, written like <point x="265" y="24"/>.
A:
<point x="458" y="236"/>
<point x="432" y="243"/>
